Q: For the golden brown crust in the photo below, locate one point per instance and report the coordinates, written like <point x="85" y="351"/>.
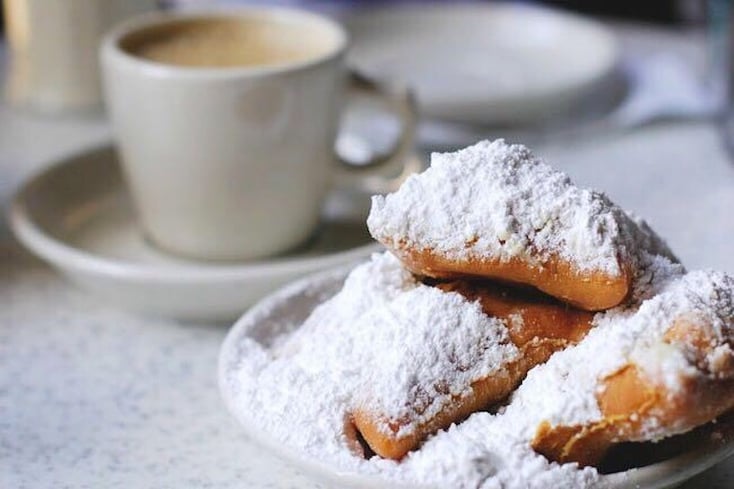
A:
<point x="542" y="317"/>
<point x="537" y="326"/>
<point x="629" y="401"/>
<point x="389" y="445"/>
<point x="589" y="290"/>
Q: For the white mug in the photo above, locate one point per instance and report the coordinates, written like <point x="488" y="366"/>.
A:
<point x="233" y="162"/>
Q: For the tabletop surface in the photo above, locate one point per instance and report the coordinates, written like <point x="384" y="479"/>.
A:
<point x="91" y="396"/>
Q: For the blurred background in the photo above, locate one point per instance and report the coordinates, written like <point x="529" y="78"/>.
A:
<point x="557" y="72"/>
<point x="664" y="11"/>
<point x="627" y="87"/>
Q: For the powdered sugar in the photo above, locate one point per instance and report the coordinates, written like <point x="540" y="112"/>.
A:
<point x="382" y="337"/>
<point x="445" y="343"/>
<point x="394" y="346"/>
<point x="499" y="200"/>
<point x="487" y="451"/>
<point x="564" y="394"/>
<point x="301" y="392"/>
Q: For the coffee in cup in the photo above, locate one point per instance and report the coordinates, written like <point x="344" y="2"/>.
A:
<point x="228" y="42"/>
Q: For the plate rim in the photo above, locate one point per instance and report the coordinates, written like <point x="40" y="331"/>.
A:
<point x="62" y="254"/>
<point x="700" y="458"/>
<point x="612" y="49"/>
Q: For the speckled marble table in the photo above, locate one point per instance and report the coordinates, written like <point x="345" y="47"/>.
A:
<point x="95" y="397"/>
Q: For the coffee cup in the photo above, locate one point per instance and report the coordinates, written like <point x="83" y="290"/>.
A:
<point x="225" y="125"/>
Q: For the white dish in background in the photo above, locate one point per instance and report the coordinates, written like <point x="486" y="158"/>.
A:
<point x="485" y="63"/>
<point x="286" y="309"/>
<point x="77" y="216"/>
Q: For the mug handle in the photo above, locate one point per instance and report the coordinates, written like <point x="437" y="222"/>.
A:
<point x="384" y="172"/>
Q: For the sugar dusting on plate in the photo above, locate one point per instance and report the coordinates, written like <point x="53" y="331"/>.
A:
<point x="386" y="340"/>
<point x="301" y="391"/>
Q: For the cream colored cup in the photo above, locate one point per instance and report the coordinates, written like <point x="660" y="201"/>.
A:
<point x="232" y="163"/>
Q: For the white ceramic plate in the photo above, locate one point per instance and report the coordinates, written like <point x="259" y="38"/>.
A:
<point x="77" y="216"/>
<point x="488" y="63"/>
<point x="287" y="308"/>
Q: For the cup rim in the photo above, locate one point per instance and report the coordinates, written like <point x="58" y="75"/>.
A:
<point x="111" y="49"/>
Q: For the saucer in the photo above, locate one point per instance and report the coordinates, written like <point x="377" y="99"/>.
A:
<point x="77" y="216"/>
<point x="643" y="466"/>
<point x="486" y="63"/>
